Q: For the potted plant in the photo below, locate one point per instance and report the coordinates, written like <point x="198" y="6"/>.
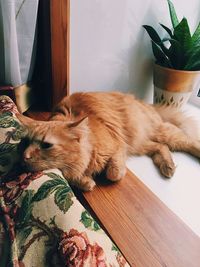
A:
<point x="177" y="61"/>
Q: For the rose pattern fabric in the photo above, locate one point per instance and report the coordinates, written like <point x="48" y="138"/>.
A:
<point x="6" y="104"/>
<point x="40" y="215"/>
<point x="11" y="190"/>
<point x="77" y="251"/>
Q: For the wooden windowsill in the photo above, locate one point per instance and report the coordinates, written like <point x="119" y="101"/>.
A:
<point x="145" y="230"/>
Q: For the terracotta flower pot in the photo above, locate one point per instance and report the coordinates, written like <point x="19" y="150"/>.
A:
<point x="174" y="87"/>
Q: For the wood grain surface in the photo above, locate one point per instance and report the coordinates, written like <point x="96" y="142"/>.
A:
<point x="59" y="17"/>
<point x="146" y="231"/>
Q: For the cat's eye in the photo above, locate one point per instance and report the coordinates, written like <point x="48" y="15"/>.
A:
<point x="45" y="145"/>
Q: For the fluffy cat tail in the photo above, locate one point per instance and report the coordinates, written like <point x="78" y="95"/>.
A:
<point x="178" y="118"/>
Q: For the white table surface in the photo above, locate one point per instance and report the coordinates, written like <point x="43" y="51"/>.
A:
<point x="181" y="193"/>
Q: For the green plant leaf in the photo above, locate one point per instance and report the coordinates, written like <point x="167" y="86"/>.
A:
<point x="183" y="36"/>
<point x="193" y="62"/>
<point x="194" y="66"/>
<point x="153" y="34"/>
<point x="63" y="198"/>
<point x="155" y="38"/>
<point x="167" y="30"/>
<point x="196" y="36"/>
<point x="160" y="56"/>
<point x="172" y="11"/>
<point x="89" y="222"/>
<point x="46" y="189"/>
<point x="175" y="54"/>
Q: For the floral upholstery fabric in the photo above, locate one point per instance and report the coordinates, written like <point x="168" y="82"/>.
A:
<point x="41" y="221"/>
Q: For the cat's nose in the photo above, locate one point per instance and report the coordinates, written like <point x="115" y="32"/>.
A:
<point x="26" y="156"/>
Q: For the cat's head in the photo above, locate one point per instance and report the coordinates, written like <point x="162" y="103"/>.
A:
<point x="54" y="144"/>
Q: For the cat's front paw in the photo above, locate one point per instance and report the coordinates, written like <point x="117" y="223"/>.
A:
<point x="86" y="183"/>
<point x="114" y="173"/>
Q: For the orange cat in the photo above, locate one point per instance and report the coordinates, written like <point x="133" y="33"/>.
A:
<point x="91" y="132"/>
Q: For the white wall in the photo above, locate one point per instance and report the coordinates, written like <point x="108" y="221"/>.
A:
<point x="109" y="48"/>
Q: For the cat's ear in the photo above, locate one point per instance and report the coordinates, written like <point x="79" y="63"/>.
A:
<point x="79" y="123"/>
<point x="78" y="128"/>
<point x="24" y="120"/>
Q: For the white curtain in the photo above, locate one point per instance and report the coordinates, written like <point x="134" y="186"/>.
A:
<point x="17" y="40"/>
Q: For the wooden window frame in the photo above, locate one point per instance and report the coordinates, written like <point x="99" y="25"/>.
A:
<point x="51" y="75"/>
<point x="60" y="32"/>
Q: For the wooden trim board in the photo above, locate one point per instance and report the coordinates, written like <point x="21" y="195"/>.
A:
<point x="51" y="76"/>
<point x="60" y="20"/>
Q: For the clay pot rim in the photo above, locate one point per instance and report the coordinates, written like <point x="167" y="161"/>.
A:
<point x="175" y="70"/>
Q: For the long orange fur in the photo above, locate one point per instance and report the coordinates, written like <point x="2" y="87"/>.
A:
<point x="91" y="132"/>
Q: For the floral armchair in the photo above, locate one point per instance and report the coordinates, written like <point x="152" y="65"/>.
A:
<point x="42" y="223"/>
